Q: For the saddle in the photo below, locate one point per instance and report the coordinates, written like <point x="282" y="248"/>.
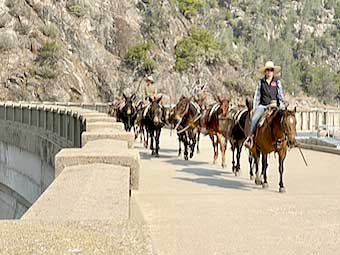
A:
<point x="266" y="115"/>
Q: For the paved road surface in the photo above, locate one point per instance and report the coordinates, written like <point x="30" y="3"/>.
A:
<point x="194" y="207"/>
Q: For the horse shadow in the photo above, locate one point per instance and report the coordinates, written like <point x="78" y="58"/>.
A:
<point x="221" y="183"/>
<point x="203" y="172"/>
<point x="181" y="162"/>
<point x="147" y="155"/>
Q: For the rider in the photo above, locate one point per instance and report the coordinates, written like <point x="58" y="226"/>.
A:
<point x="268" y="90"/>
<point x="149" y="90"/>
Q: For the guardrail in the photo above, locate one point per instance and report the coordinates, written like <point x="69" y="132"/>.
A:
<point x="61" y="127"/>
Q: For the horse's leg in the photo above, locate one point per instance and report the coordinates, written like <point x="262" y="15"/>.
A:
<point x="186" y="141"/>
<point x="151" y="142"/>
<point x="282" y="156"/>
<point x="258" y="180"/>
<point x="222" y="142"/>
<point x="238" y="155"/>
<point x="157" y="137"/>
<point x="179" y="145"/>
<point x="233" y="152"/>
<point x="212" y="138"/>
<point x="193" y="144"/>
<point x="251" y="165"/>
<point x="198" y="141"/>
<point x="264" y="171"/>
<point x="146" y="140"/>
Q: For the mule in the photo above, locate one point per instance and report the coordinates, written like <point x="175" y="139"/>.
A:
<point x="276" y="134"/>
<point x="154" y="121"/>
<point x="214" y="122"/>
<point x="186" y="115"/>
<point x="127" y="113"/>
<point x="240" y="118"/>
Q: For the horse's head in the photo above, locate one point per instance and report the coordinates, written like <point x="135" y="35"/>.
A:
<point x="129" y="108"/>
<point x="180" y="109"/>
<point x="224" y="105"/>
<point x="156" y="112"/>
<point x="288" y="124"/>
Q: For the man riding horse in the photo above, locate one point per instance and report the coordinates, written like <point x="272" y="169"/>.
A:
<point x="268" y="90"/>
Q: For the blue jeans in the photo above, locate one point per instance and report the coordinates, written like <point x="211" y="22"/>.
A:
<point x="257" y="115"/>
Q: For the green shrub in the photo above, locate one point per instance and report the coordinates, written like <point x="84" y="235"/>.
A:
<point x="138" y="57"/>
<point x="50" y="30"/>
<point x="49" y="53"/>
<point x="199" y="44"/>
<point x="76" y="7"/>
<point x="189" y="8"/>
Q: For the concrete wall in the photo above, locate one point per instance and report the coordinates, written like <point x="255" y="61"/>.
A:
<point x="31" y="138"/>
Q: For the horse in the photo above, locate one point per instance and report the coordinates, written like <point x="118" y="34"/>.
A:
<point x="276" y="134"/>
<point x="153" y="121"/>
<point x="240" y="118"/>
<point x="213" y="123"/>
<point x="139" y="124"/>
<point x="185" y="115"/>
<point x="126" y="113"/>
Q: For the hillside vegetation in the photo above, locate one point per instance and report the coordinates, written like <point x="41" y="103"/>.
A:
<point x="91" y="50"/>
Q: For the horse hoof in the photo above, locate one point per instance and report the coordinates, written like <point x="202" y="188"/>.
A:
<point x="282" y="190"/>
<point x="156" y="155"/>
<point x="237" y="173"/>
<point x="186" y="158"/>
<point x="252" y="177"/>
<point x="191" y="155"/>
<point x="258" y="182"/>
<point x="223" y="165"/>
<point x="265" y="185"/>
<point x="152" y="153"/>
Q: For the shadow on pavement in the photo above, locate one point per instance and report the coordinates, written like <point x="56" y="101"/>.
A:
<point x="182" y="162"/>
<point x="147" y="155"/>
<point x="203" y="171"/>
<point x="222" y="183"/>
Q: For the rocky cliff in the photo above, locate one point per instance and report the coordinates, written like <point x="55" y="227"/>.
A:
<point x="92" y="50"/>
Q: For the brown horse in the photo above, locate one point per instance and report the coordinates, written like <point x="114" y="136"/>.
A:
<point x="185" y="116"/>
<point x="276" y="134"/>
<point x="214" y="122"/>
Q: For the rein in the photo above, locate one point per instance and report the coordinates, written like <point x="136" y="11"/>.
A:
<point x="181" y="119"/>
<point x="197" y="117"/>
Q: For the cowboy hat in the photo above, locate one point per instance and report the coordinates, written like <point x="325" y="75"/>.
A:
<point x="149" y="78"/>
<point x="269" y="65"/>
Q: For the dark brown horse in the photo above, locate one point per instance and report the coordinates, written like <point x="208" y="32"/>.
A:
<point x="276" y="134"/>
<point x="239" y="121"/>
<point x="154" y="121"/>
<point x="185" y="116"/>
<point x="214" y="121"/>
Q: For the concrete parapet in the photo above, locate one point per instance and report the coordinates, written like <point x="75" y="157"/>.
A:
<point x="108" y="134"/>
<point x="107" y="142"/>
<point x="85" y="192"/>
<point x="100" y="126"/>
<point x="100" y="119"/>
<point x="102" y="151"/>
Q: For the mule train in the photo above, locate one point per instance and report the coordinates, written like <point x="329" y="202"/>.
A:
<point x="191" y="117"/>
